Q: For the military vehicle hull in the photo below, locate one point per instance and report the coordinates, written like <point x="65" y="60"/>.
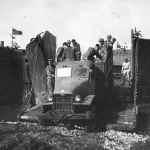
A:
<point x="82" y="91"/>
<point x="79" y="95"/>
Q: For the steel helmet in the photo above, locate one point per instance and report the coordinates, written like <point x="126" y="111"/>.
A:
<point x="101" y="40"/>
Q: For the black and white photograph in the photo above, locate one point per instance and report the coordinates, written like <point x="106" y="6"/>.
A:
<point x="74" y="75"/>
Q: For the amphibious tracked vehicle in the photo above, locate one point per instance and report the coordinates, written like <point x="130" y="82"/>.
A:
<point x="82" y="90"/>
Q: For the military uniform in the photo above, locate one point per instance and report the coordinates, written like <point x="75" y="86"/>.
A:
<point x="103" y="52"/>
<point x="77" y="52"/>
<point x="68" y="54"/>
<point x="59" y="54"/>
<point x="91" y="52"/>
<point x="50" y="72"/>
<point x="110" y="41"/>
<point x="126" y="69"/>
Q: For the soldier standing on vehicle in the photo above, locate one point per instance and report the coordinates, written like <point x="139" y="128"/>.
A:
<point x="77" y="51"/>
<point x="102" y="49"/>
<point x="92" y="53"/>
<point x="68" y="53"/>
<point x="68" y="43"/>
<point x="126" y="71"/>
<point x="106" y="46"/>
<point x="101" y="42"/>
<point x="59" y="55"/>
<point x="110" y="41"/>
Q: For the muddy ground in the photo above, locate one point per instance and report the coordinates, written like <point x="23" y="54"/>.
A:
<point x="30" y="136"/>
<point x="27" y="136"/>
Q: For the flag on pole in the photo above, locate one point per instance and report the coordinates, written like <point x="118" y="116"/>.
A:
<point x="16" y="32"/>
<point x="13" y="37"/>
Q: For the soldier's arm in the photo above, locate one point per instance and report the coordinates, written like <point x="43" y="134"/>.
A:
<point x="87" y="54"/>
<point x="98" y="55"/>
<point x="90" y="53"/>
<point x="59" y="53"/>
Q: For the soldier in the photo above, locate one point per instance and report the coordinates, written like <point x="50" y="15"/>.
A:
<point x="105" y="46"/>
<point x="126" y="71"/>
<point x="68" y="43"/>
<point x="101" y="42"/>
<point x="59" y="55"/>
<point x="92" y="52"/>
<point x="68" y="53"/>
<point x="77" y="51"/>
<point x="50" y="73"/>
<point x="110" y="41"/>
<point x="103" y="49"/>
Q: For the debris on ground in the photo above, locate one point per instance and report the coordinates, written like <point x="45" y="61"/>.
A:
<point x="32" y="136"/>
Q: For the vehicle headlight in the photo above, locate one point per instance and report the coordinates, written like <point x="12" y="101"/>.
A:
<point x="24" y="117"/>
<point x="50" y="99"/>
<point x="62" y="92"/>
<point x="77" y="98"/>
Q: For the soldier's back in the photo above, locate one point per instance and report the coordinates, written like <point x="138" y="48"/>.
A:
<point x="103" y="53"/>
<point x="68" y="53"/>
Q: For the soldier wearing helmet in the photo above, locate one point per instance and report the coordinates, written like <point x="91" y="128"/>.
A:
<point x="92" y="52"/>
<point x="102" y="49"/>
<point x="109" y="37"/>
<point x="60" y="51"/>
<point x="110" y="40"/>
<point x="77" y="51"/>
<point x="101" y="42"/>
<point x="68" y="43"/>
<point x="68" y="52"/>
<point x="126" y="71"/>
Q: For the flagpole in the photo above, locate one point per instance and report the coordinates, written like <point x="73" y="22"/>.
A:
<point x="12" y="38"/>
<point x="15" y="32"/>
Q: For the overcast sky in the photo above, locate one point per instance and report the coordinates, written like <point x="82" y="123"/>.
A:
<point x="85" y="20"/>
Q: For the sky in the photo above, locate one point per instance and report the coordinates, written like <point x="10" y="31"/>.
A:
<point x="84" y="20"/>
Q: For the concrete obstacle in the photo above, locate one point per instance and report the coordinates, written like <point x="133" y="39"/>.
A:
<point x="41" y="54"/>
